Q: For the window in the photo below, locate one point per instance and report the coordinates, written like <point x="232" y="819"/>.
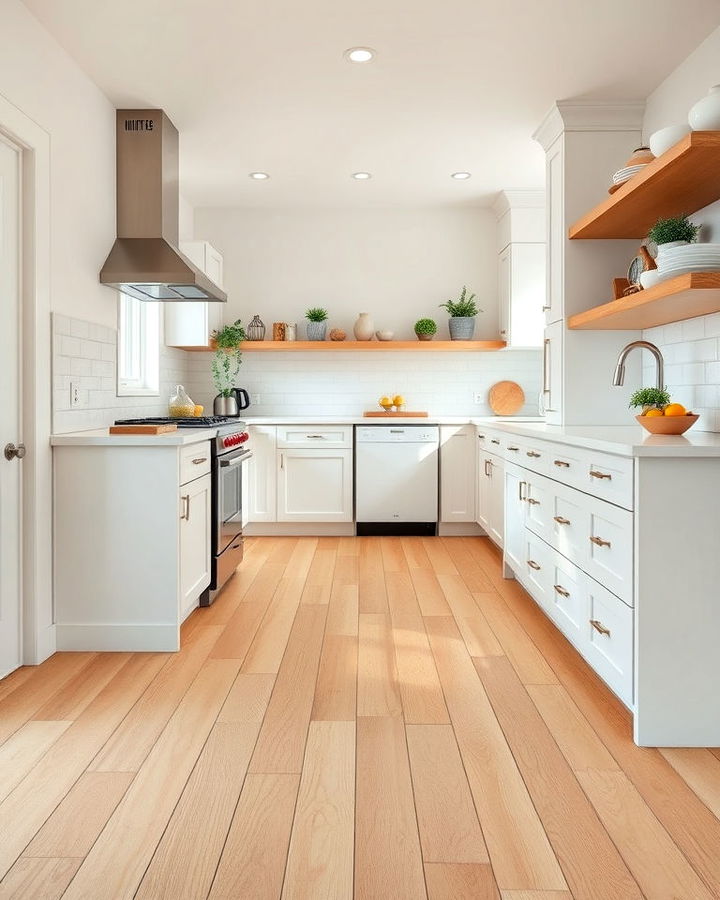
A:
<point x="138" y="348"/>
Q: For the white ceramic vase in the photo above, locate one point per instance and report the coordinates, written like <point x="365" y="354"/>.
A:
<point x="364" y="327"/>
<point x="705" y="115"/>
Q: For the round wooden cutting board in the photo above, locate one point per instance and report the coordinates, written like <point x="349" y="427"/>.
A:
<point x="506" y="398"/>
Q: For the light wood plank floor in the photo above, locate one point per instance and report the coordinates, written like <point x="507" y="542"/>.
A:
<point x="371" y="718"/>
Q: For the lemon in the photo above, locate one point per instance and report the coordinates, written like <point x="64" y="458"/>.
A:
<point x="654" y="412"/>
<point x="398" y="400"/>
<point x="675" y="409"/>
<point x="385" y="401"/>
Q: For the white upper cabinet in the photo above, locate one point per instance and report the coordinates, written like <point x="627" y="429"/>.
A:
<point x="192" y="324"/>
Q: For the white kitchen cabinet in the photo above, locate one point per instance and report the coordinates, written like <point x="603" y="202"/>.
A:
<point x="261" y="497"/>
<point x="521" y="294"/>
<point x="191" y="324"/>
<point x="195" y="537"/>
<point x="551" y="400"/>
<point x="314" y="485"/>
<point x="514" y="515"/>
<point x="458" y="468"/>
<point x="555" y="175"/>
<point x="490" y="495"/>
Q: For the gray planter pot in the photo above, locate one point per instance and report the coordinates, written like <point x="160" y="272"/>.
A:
<point x="316" y="331"/>
<point x="462" y="328"/>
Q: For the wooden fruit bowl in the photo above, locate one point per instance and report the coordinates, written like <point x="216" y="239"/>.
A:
<point x="667" y="424"/>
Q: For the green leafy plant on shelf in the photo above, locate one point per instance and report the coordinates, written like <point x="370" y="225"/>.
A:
<point x="650" y="398"/>
<point x="464" y="307"/>
<point x="227" y="357"/>
<point x="316" y="314"/>
<point x="665" y="231"/>
<point x="425" y="327"/>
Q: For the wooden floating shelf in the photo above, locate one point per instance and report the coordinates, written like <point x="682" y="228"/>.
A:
<point x="683" y="297"/>
<point x="681" y="181"/>
<point x="332" y="346"/>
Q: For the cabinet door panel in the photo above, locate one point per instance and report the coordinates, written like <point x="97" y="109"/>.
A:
<point x="260" y="499"/>
<point x="515" y="511"/>
<point x="569" y="599"/>
<point x="314" y="485"/>
<point x="538" y="570"/>
<point x="555" y="168"/>
<point x="195" y="536"/>
<point x="539" y="500"/>
<point x="457" y="473"/>
<point x="610" y="548"/>
<point x="608" y="645"/>
<point x="496" y="518"/>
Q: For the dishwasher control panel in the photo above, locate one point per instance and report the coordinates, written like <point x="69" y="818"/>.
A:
<point x="400" y="434"/>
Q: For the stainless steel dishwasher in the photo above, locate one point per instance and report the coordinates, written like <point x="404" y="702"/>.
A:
<point x="396" y="479"/>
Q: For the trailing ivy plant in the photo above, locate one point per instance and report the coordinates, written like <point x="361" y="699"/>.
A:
<point x="649" y="398"/>
<point x="664" y="231"/>
<point x="227" y="357"/>
<point x="464" y="307"/>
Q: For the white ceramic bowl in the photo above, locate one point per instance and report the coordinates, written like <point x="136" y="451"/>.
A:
<point x="649" y="278"/>
<point x="665" y="138"/>
<point x="384" y="335"/>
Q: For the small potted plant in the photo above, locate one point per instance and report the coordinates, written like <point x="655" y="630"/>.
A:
<point x="425" y="329"/>
<point x="672" y="233"/>
<point x="316" y="325"/>
<point x="650" y="398"/>
<point x="659" y="415"/>
<point x="226" y="366"/>
<point x="462" y="316"/>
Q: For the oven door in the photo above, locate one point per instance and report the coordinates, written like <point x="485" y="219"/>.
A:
<point x="229" y="499"/>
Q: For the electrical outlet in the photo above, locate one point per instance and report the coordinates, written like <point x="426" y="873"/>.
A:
<point x="256" y="399"/>
<point x="75" y="397"/>
<point x="478" y="397"/>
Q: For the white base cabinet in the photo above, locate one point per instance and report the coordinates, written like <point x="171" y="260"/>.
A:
<point x="490" y="502"/>
<point x="458" y="463"/>
<point x="314" y="485"/>
<point x="195" y="538"/>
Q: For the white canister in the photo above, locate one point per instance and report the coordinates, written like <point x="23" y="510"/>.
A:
<point x="290" y="331"/>
<point x="364" y="327"/>
<point x="705" y="115"/>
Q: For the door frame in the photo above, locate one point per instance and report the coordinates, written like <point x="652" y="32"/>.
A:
<point x="38" y="629"/>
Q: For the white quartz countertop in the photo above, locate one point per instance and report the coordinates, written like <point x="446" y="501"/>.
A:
<point x="363" y="420"/>
<point x="102" y="438"/>
<point x="623" y="440"/>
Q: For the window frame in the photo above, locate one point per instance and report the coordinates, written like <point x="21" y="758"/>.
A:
<point x="138" y="348"/>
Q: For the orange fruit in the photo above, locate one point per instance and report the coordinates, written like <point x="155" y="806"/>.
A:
<point x="675" y="409"/>
<point x="654" y="412"/>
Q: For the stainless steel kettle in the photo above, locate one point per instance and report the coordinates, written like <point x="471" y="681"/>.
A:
<point x="225" y="406"/>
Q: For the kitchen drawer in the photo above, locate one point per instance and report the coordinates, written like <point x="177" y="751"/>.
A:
<point x="608" y="643"/>
<point x="565" y="464"/>
<point x="307" y="436"/>
<point x="194" y="461"/>
<point x="537" y="570"/>
<point x="535" y="457"/>
<point x="569" y="598"/>
<point x="608" y="477"/>
<point x="539" y="499"/>
<point x="609" y="557"/>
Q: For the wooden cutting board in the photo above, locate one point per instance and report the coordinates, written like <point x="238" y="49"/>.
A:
<point x="403" y="414"/>
<point x="143" y="429"/>
<point x="506" y="398"/>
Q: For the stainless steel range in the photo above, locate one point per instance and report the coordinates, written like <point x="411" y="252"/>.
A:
<point x="230" y="450"/>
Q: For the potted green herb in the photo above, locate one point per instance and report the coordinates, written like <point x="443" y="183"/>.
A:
<point x="425" y="329"/>
<point x="462" y="316"/>
<point x="649" y="398"/>
<point x="226" y="366"/>
<point x="673" y="232"/>
<point x="316" y="325"/>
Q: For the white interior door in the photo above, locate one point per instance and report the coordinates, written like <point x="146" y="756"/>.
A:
<point x="10" y="424"/>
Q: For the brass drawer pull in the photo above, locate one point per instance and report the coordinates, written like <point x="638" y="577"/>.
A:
<point x="514" y="449"/>
<point x="561" y="520"/>
<point x="488" y="467"/>
<point x="598" y="626"/>
<point x="493" y="441"/>
<point x="532" y="454"/>
<point x="561" y="590"/>
<point x="599" y="542"/>
<point x="520" y="490"/>
<point x="561" y="464"/>
<point x="534" y="565"/>
<point x="595" y="474"/>
<point x="200" y="460"/>
<point x="481" y="437"/>
<point x="185" y="498"/>
<point x="533" y="501"/>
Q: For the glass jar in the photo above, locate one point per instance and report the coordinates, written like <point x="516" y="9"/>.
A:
<point x="256" y="329"/>
<point x="180" y="405"/>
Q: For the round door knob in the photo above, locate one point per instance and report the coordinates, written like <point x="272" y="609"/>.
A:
<point x="13" y="452"/>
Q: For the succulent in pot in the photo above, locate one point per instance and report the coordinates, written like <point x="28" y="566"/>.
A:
<point x="425" y="329"/>
<point x="462" y="316"/>
<point x="673" y="232"/>
<point x="317" y="323"/>
<point x="226" y="366"/>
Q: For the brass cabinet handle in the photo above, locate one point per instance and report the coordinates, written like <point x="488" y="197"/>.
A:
<point x="200" y="460"/>
<point x="186" y="507"/>
<point x="520" y="490"/>
<point x="561" y="464"/>
<point x="488" y="467"/>
<point x="596" y="474"/>
<point x="493" y="441"/>
<point x="514" y="449"/>
<point x="598" y="626"/>
<point x="534" y="565"/>
<point x="561" y="520"/>
<point x="315" y="437"/>
<point x="561" y="590"/>
<point x="599" y="542"/>
<point x="481" y="437"/>
<point x="282" y="460"/>
<point x="532" y="454"/>
<point x="533" y="501"/>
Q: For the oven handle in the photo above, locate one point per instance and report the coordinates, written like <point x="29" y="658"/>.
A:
<point x="228" y="463"/>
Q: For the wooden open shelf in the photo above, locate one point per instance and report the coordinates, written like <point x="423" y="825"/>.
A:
<point x="684" y="297"/>
<point x="331" y="346"/>
<point x="681" y="181"/>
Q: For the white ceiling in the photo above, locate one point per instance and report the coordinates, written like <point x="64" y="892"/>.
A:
<point x="456" y="85"/>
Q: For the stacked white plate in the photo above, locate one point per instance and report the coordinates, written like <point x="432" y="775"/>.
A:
<point x="688" y="258"/>
<point x="622" y="175"/>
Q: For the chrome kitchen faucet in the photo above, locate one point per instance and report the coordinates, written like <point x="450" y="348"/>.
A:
<point x="619" y="377"/>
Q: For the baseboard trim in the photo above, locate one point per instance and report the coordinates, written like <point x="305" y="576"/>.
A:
<point x="460" y="529"/>
<point x="119" y="637"/>
<point x="299" y="529"/>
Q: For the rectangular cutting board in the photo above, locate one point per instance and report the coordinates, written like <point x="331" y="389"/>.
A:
<point x="403" y="414"/>
<point x="143" y="429"/>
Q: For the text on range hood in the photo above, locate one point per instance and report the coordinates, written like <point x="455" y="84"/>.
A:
<point x="144" y="261"/>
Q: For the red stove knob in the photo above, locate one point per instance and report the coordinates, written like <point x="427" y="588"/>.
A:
<point x="227" y="441"/>
<point x="243" y="437"/>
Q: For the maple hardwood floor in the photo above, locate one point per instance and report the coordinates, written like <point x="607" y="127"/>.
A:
<point x="370" y="718"/>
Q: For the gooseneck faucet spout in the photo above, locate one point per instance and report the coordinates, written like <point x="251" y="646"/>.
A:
<point x="619" y="377"/>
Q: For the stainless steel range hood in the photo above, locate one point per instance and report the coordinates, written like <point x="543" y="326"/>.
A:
<point x="144" y="261"/>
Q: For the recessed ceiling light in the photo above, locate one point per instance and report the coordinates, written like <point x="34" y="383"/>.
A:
<point x="460" y="176"/>
<point x="361" y="176"/>
<point x="259" y="176"/>
<point x="359" y="54"/>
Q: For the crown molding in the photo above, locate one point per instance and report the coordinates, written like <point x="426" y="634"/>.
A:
<point x="517" y="199"/>
<point x="589" y="115"/>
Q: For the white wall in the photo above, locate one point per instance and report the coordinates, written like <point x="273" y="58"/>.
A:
<point x="396" y="264"/>
<point x="691" y="348"/>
